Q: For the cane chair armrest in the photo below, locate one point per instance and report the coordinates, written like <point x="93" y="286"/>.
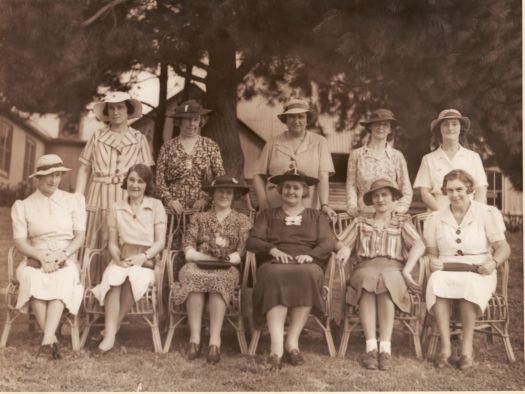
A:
<point x="250" y="269"/>
<point x="89" y="255"/>
<point x="503" y="273"/>
<point x="418" y="220"/>
<point x="341" y="222"/>
<point x="170" y="261"/>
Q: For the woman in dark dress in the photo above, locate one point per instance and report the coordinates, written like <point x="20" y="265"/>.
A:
<point x="297" y="242"/>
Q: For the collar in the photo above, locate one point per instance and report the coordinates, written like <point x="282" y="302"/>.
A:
<point x="58" y="197"/>
<point x="107" y="137"/>
<point x="123" y="205"/>
<point x="443" y="156"/>
<point x="282" y="141"/>
<point x="446" y="216"/>
<point x="389" y="151"/>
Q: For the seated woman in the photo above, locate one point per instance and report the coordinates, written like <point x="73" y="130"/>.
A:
<point x="49" y="227"/>
<point x="137" y="232"/>
<point x="383" y="242"/>
<point x="298" y="241"/>
<point x="215" y="236"/>
<point x="467" y="237"/>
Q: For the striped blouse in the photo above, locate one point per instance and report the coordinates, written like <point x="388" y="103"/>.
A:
<point x="109" y="160"/>
<point x="392" y="241"/>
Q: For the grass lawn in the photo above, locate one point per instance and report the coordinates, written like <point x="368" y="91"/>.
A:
<point x="133" y="365"/>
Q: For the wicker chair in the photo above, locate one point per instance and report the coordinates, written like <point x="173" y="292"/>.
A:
<point x="324" y="324"/>
<point x="178" y="314"/>
<point x="494" y="321"/>
<point x="13" y="259"/>
<point x="147" y="307"/>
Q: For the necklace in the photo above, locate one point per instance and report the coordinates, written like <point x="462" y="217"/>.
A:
<point x="300" y="142"/>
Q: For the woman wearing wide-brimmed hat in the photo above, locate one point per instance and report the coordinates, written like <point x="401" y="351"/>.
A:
<point x="106" y="158"/>
<point x="387" y="247"/>
<point x="449" y="129"/>
<point x="213" y="244"/>
<point x="295" y="243"/>
<point x="295" y="148"/>
<point x="376" y="159"/>
<point x="188" y="161"/>
<point x="48" y="228"/>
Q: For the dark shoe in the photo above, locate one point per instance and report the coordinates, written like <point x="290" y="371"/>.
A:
<point x="293" y="357"/>
<point x="214" y="354"/>
<point x="98" y="352"/>
<point x="45" y="350"/>
<point x="55" y="354"/>
<point x="442" y="360"/>
<point x="194" y="350"/>
<point x="465" y="362"/>
<point x="385" y="361"/>
<point x="275" y="362"/>
<point x="369" y="360"/>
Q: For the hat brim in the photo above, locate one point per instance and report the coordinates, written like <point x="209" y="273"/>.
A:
<point x="278" y="179"/>
<point x="49" y="171"/>
<point x="98" y="109"/>
<point x="201" y="112"/>
<point x="239" y="188"/>
<point x="308" y="112"/>
<point x="367" y="123"/>
<point x="367" y="197"/>
<point x="465" y="121"/>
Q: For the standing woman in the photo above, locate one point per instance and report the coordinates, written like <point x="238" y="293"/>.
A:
<point x="187" y="161"/>
<point x="137" y="233"/>
<point x="450" y="129"/>
<point x="377" y="159"/>
<point x="466" y="244"/>
<point x="106" y="158"/>
<point x="48" y="228"/>
<point x="217" y="234"/>
<point x="387" y="248"/>
<point x="295" y="148"/>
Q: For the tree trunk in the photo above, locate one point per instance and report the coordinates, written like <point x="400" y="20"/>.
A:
<point x="221" y="94"/>
<point x="161" y="110"/>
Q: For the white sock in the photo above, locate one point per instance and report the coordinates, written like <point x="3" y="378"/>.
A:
<point x="384" y="347"/>
<point x="371" y="344"/>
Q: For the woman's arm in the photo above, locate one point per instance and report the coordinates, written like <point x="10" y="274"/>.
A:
<point x="500" y="253"/>
<point x="403" y="204"/>
<point x="428" y="198"/>
<point x="259" y="184"/>
<point x="351" y="186"/>
<point x="326" y="240"/>
<point x="480" y="194"/>
<point x="324" y="189"/>
<point x="82" y="178"/>
<point x="416" y="251"/>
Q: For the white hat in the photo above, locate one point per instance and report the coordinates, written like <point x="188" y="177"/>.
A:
<point x="117" y="97"/>
<point x="48" y="164"/>
<point x="296" y="106"/>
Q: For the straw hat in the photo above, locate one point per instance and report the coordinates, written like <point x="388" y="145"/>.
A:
<point x="48" y="164"/>
<point x="451" y="114"/>
<point x="117" y="97"/>
<point x="380" y="184"/>
<point x="296" y="106"/>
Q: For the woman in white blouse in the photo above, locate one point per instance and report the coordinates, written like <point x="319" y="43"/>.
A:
<point x="450" y="129"/>
<point x="48" y="228"/>
<point x="466" y="243"/>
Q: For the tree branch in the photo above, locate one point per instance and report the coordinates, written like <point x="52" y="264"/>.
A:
<point x="100" y="12"/>
<point x="183" y="73"/>
<point x="245" y="68"/>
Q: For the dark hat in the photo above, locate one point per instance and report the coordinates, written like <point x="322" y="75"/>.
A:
<point x="226" y="182"/>
<point x="380" y="184"/>
<point x="450" y="114"/>
<point x="379" y="115"/>
<point x="295" y="106"/>
<point x="188" y="109"/>
<point x="294" y="175"/>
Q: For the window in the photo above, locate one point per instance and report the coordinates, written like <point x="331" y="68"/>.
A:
<point x="495" y="188"/>
<point x="6" y="139"/>
<point x="29" y="157"/>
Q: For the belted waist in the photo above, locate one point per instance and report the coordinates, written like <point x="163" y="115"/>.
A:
<point x="51" y="244"/>
<point x="109" y="179"/>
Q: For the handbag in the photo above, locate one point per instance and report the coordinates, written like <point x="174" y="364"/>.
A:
<point x="213" y="264"/>
<point x="462" y="267"/>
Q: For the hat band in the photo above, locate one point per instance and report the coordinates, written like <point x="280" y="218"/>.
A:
<point x="49" y="166"/>
<point x="296" y="105"/>
<point x="451" y="113"/>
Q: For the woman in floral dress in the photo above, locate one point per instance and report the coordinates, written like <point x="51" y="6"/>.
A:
<point x="218" y="234"/>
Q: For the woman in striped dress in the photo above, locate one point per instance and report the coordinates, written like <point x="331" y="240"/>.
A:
<point x="106" y="158"/>
<point x="387" y="247"/>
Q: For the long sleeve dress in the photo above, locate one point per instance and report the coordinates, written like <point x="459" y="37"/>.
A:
<point x="48" y="223"/>
<point x="291" y="285"/>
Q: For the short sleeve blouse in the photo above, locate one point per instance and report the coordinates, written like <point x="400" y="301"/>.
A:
<point x="139" y="228"/>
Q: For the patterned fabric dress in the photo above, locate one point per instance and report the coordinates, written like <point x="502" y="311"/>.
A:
<point x="381" y="254"/>
<point x="48" y="223"/>
<point x="204" y="233"/>
<point x="180" y="175"/>
<point x="365" y="166"/>
<point x="109" y="158"/>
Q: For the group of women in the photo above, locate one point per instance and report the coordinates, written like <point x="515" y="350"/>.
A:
<point x="291" y="235"/>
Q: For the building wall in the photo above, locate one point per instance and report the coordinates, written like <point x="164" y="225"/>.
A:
<point x="18" y="142"/>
